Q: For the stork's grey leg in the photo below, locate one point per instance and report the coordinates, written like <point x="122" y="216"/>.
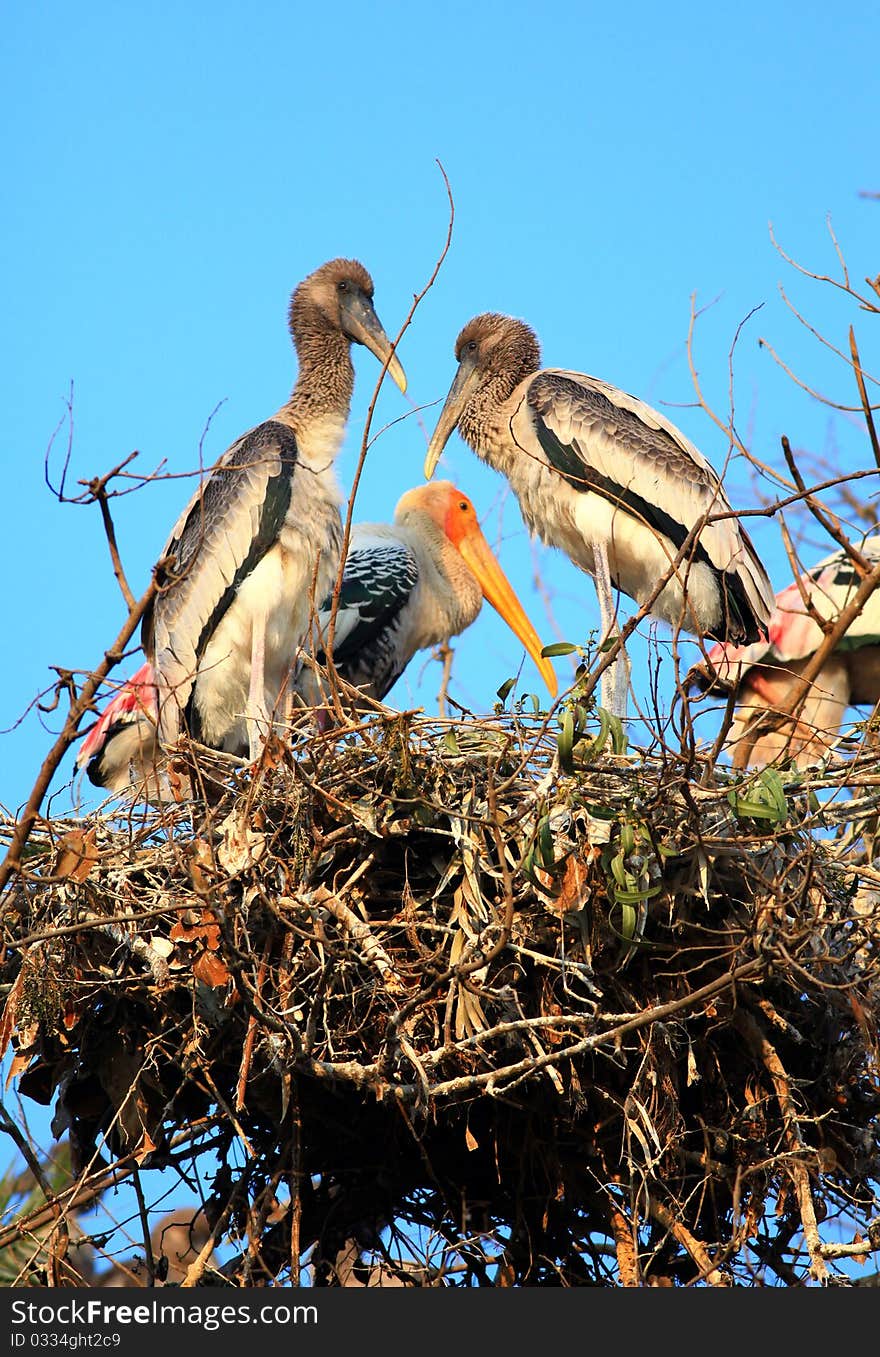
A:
<point x="168" y="733"/>
<point x="621" y="671"/>
<point x="615" y="680"/>
<point x="257" y="718"/>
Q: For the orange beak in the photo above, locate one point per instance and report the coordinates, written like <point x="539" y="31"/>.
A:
<point x="497" y="589"/>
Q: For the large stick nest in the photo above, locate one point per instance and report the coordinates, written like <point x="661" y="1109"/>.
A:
<point x="437" y="997"/>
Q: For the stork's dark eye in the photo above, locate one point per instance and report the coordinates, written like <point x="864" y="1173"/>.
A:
<point x="342" y="286"/>
<point x="463" y="505"/>
<point x="472" y="346"/>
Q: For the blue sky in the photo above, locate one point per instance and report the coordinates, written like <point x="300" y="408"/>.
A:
<point x="173" y="170"/>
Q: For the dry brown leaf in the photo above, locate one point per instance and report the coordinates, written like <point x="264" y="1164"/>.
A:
<point x="274" y="752"/>
<point x="17" y="1064"/>
<point x="506" y="1274"/>
<point x="241" y="846"/>
<point x="146" y="1147"/>
<point x="202" y="928"/>
<point x="77" y="855"/>
<point x="7" y="1018"/>
<point x="200" y="862"/>
<point x="210" y="970"/>
<point x="574" y="889"/>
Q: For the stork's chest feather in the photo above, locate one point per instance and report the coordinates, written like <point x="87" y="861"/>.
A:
<point x="319" y="439"/>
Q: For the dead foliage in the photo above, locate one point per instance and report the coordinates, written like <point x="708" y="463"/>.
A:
<point x="483" y="1002"/>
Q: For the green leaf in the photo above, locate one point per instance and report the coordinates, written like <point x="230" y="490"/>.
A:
<point x="618" y="735"/>
<point x="771" y="782"/>
<point x="618" y="871"/>
<point x="527" y="867"/>
<point x="600" y="812"/>
<point x="558" y="648"/>
<point x="565" y="742"/>
<point x="450" y="742"/>
<point x="628" y="921"/>
<point x="634" y="897"/>
<point x="505" y="688"/>
<point x="545" y="846"/>
<point x="597" y="745"/>
<point x="756" y="810"/>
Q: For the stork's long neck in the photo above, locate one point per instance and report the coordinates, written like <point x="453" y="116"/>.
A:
<point x="451" y="596"/>
<point x="484" y="424"/>
<point x="321" y="398"/>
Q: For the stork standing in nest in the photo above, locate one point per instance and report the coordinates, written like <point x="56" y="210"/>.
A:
<point x="406" y="586"/>
<point x="764" y="675"/>
<point x="262" y="532"/>
<point x="609" y="481"/>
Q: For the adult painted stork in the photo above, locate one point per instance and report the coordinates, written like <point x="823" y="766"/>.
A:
<point x="763" y="675"/>
<point x="262" y="531"/>
<point x="609" y="481"/>
<point x="412" y="584"/>
<point x="122" y="748"/>
<point x="406" y="585"/>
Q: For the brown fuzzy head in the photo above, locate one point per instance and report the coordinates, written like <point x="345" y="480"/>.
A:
<point x="495" y="353"/>
<point x="496" y="344"/>
<point x="332" y="309"/>
<point x="320" y="297"/>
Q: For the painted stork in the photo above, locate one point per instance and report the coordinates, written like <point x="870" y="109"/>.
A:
<point x="122" y="748"/>
<point x="261" y="531"/>
<point x="763" y="675"/>
<point x="609" y="481"/>
<point x="406" y="586"/>
<point x="412" y="584"/>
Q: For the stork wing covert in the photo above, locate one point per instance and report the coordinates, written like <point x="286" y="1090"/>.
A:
<point x="229" y="524"/>
<point x="600" y="439"/>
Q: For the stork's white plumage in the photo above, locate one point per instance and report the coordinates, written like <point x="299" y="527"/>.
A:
<point x="763" y="675"/>
<point x="415" y="583"/>
<point x="609" y="481"/>
<point x="407" y="585"/>
<point x="261" y="530"/>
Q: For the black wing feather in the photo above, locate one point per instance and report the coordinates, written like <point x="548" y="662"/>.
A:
<point x="569" y="459"/>
<point x="377" y="583"/>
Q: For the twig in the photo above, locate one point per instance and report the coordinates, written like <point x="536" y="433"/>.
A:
<point x="365" y="441"/>
<point x="797" y="1167"/>
<point x="866" y="404"/>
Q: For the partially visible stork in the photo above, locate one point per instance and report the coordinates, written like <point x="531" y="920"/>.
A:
<point x="122" y="748"/>
<point x="609" y="481"/>
<point x="763" y="675"/>
<point x="406" y="586"/>
<point x="262" y="530"/>
<point x="412" y="584"/>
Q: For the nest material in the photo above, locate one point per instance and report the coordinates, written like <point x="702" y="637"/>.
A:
<point x="472" y="1017"/>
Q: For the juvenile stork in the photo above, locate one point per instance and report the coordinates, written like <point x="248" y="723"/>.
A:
<point x="609" y="481"/>
<point x="261" y="531"/>
<point x="412" y="584"/>
<point x="763" y="675"/>
<point x="407" y="585"/>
